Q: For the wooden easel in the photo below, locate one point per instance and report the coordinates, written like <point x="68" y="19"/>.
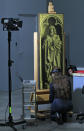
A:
<point x="50" y="11"/>
<point x="42" y="96"/>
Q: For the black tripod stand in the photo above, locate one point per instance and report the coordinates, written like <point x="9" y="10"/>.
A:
<point x="10" y="122"/>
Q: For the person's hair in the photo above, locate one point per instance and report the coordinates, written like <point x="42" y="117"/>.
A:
<point x="56" y="69"/>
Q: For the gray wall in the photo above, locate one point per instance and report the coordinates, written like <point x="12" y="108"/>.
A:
<point x="74" y="28"/>
<point x="22" y="41"/>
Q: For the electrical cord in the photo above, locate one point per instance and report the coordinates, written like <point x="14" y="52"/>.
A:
<point x="80" y="117"/>
<point x="5" y="114"/>
<point x="21" y="79"/>
<point x="7" y="107"/>
<point x="6" y="111"/>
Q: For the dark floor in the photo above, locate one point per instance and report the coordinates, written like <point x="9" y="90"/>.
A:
<point x="41" y="125"/>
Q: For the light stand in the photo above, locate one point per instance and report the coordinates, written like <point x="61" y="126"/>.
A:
<point x="10" y="122"/>
<point x="9" y="75"/>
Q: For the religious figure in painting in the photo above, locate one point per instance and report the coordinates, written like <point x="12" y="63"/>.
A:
<point x="51" y="46"/>
<point x="52" y="52"/>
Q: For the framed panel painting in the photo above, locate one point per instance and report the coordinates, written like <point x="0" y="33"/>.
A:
<point x="51" y="46"/>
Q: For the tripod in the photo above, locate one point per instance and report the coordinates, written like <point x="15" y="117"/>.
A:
<point x="10" y="122"/>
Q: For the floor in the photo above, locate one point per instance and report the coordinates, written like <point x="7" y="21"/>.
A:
<point x="41" y="125"/>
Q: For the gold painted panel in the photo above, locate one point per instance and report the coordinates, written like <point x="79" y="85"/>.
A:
<point x="51" y="46"/>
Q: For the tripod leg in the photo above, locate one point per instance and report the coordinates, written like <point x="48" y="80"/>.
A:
<point x="13" y="128"/>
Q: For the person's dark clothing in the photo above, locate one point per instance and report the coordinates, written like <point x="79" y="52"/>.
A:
<point x="60" y="88"/>
<point x="60" y="96"/>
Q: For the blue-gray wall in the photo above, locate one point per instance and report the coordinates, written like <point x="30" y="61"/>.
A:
<point x="74" y="28"/>
<point x="22" y="41"/>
